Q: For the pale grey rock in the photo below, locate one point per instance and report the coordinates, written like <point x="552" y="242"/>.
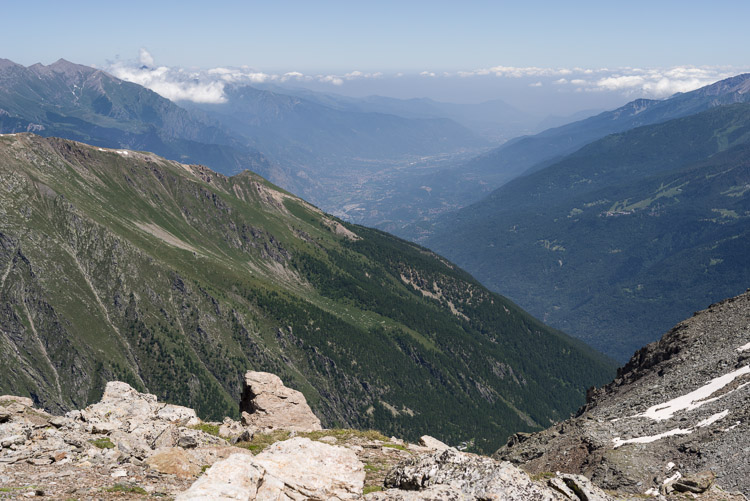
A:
<point x="579" y="487"/>
<point x="104" y="428"/>
<point x="291" y="470"/>
<point x="475" y="477"/>
<point x="267" y="404"/>
<point x="7" y="400"/>
<point x="178" y="414"/>
<point x="13" y="440"/>
<point x="432" y="493"/>
<point x="168" y="436"/>
<point x="230" y="428"/>
<point x="235" y="478"/>
<point x="432" y="443"/>
<point x="130" y="444"/>
<point x="60" y="421"/>
<point x="305" y="469"/>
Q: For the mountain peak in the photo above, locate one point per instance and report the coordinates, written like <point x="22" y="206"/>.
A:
<point x="7" y="63"/>
<point x="62" y="67"/>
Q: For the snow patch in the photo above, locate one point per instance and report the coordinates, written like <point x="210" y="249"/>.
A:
<point x="676" y="431"/>
<point x="670" y="465"/>
<point x="694" y="399"/>
<point x="744" y="347"/>
<point x="712" y="419"/>
<point x="650" y="438"/>
<point x="735" y="425"/>
<point x="123" y="152"/>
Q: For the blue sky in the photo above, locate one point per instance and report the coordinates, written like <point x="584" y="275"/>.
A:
<point x="341" y="36"/>
<point x="552" y="55"/>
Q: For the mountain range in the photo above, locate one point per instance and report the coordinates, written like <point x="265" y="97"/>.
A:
<point x="85" y="104"/>
<point x="317" y="145"/>
<point x="622" y="238"/>
<point x="463" y="183"/>
<point x="119" y="264"/>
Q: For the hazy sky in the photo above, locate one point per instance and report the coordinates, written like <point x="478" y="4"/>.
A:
<point x="450" y="50"/>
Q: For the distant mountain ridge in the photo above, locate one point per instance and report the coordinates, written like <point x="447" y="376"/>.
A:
<point x="85" y="104"/>
<point x="470" y="181"/>
<point x="620" y="239"/>
<point x="525" y="153"/>
<point x="284" y="123"/>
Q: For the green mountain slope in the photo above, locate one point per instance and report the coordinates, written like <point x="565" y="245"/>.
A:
<point x="621" y="239"/>
<point x="117" y="264"/>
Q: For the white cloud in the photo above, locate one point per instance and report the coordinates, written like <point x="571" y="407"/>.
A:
<point x="335" y="80"/>
<point x="145" y="57"/>
<point x="618" y="82"/>
<point x="207" y="86"/>
<point x="661" y="82"/>
<point x="173" y="85"/>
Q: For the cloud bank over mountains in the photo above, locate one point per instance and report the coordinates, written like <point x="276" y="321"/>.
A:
<point x="207" y="85"/>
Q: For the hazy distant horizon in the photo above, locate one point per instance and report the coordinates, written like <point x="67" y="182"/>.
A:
<point x="542" y="57"/>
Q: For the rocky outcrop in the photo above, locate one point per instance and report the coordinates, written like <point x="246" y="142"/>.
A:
<point x="291" y="470"/>
<point x="267" y="404"/>
<point x="453" y="475"/>
<point x="677" y="409"/>
<point x="126" y="437"/>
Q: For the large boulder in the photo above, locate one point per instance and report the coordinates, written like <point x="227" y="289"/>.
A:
<point x="291" y="470"/>
<point x="267" y="405"/>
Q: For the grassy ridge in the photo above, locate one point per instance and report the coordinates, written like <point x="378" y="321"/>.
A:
<point x="177" y="280"/>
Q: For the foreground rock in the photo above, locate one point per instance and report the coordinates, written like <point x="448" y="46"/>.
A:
<point x="128" y="438"/>
<point x="676" y="415"/>
<point x="291" y="470"/>
<point x="267" y="404"/>
<point x="453" y="475"/>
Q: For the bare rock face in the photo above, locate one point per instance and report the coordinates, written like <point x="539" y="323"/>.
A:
<point x="678" y="408"/>
<point x="267" y="404"/>
<point x="453" y="475"/>
<point x="295" y="469"/>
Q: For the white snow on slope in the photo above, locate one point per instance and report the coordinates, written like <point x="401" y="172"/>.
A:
<point x="694" y="399"/>
<point x="712" y="419"/>
<point x="744" y="347"/>
<point x="651" y="438"/>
